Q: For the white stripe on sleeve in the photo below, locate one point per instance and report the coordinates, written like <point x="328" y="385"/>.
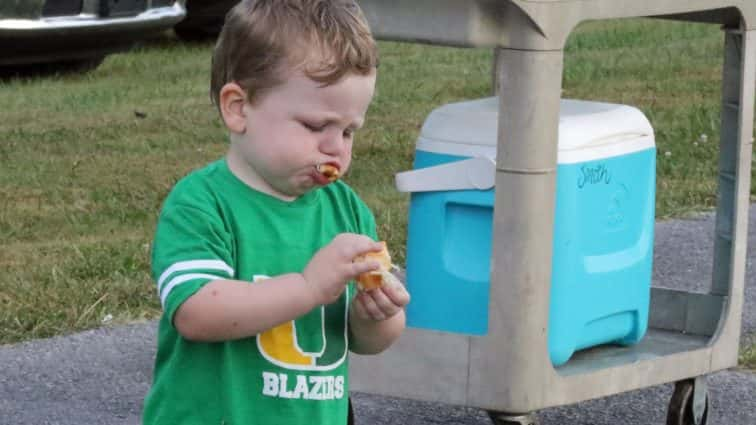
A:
<point x="194" y="264"/>
<point x="178" y="280"/>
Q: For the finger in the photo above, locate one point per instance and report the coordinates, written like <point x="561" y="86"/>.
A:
<point x="362" y="245"/>
<point x="371" y="307"/>
<point x="360" y="267"/>
<point x="349" y="245"/>
<point x="362" y="250"/>
<point x="384" y="303"/>
<point x="397" y="294"/>
<point x="358" y="305"/>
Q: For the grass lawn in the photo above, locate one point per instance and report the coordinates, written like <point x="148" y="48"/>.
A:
<point x="748" y="355"/>
<point x="86" y="160"/>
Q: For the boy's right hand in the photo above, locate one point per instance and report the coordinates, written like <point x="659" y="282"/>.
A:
<point x="332" y="266"/>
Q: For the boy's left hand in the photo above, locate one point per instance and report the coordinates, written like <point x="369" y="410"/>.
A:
<point x="380" y="303"/>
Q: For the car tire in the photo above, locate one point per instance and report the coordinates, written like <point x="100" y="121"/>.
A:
<point x="78" y="66"/>
<point x="195" y="35"/>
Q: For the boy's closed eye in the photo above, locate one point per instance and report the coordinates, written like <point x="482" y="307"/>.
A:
<point x="314" y="127"/>
<point x="318" y="128"/>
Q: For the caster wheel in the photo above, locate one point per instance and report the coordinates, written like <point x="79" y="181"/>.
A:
<point x="682" y="409"/>
<point x="504" y="419"/>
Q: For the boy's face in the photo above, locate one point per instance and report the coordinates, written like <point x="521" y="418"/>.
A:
<point x="295" y="127"/>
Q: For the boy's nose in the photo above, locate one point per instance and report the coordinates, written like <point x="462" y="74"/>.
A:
<point x="333" y="143"/>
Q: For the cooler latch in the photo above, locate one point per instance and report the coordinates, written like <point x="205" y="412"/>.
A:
<point x="474" y="173"/>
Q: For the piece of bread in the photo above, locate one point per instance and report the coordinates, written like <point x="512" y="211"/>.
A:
<point x="329" y="171"/>
<point x="383" y="276"/>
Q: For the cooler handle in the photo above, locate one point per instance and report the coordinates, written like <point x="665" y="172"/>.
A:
<point x="474" y="173"/>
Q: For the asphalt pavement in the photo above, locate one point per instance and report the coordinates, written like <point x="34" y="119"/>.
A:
<point x="101" y="376"/>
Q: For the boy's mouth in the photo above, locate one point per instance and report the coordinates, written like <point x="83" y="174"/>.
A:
<point x="327" y="173"/>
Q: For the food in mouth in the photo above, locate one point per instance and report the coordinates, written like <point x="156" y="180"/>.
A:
<point x="330" y="172"/>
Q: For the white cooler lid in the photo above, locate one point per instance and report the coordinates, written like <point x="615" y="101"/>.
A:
<point x="587" y="130"/>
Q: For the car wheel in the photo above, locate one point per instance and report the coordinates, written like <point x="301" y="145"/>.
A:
<point x="195" y="35"/>
<point x="78" y="66"/>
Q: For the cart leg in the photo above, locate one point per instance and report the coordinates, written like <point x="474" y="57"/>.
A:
<point x="500" y="418"/>
<point x="689" y="404"/>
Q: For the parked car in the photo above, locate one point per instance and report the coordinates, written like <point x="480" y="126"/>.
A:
<point x="204" y="19"/>
<point x="79" y="33"/>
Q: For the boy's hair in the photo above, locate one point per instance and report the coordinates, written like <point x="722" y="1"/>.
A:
<point x="263" y="41"/>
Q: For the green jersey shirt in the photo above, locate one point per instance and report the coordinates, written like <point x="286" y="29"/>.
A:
<point x="213" y="226"/>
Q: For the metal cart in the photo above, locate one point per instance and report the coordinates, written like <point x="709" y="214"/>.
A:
<point x="508" y="372"/>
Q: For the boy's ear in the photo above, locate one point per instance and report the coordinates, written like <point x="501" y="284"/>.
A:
<point x="231" y="101"/>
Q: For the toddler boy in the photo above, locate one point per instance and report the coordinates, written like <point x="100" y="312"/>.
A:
<point x="253" y="254"/>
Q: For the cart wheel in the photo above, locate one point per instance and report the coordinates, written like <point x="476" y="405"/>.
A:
<point x="499" y="418"/>
<point x="682" y="405"/>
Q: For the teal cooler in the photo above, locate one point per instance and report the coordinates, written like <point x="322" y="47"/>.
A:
<point x="603" y="224"/>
